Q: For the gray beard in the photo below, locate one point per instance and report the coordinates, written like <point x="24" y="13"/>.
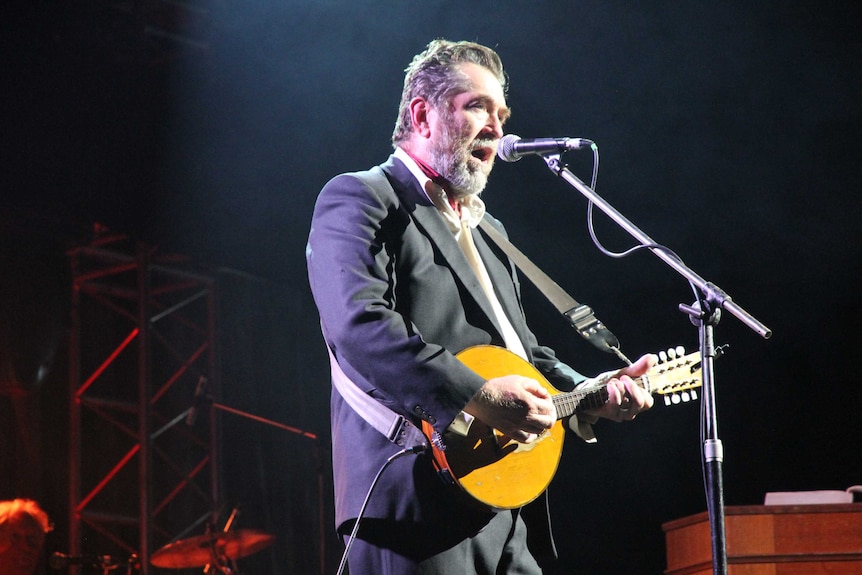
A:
<point x="451" y="160"/>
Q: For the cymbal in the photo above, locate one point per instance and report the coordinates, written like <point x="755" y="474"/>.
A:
<point x="197" y="551"/>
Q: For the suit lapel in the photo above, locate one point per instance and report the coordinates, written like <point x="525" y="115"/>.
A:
<point x="429" y="220"/>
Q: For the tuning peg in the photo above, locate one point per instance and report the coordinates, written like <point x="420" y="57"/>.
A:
<point x="680" y="351"/>
<point x="662" y="356"/>
<point x="671" y="353"/>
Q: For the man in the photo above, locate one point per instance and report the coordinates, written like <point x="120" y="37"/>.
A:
<point x="403" y="280"/>
<point x="23" y="526"/>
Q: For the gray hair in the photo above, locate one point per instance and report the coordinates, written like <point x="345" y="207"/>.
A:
<point x="434" y="75"/>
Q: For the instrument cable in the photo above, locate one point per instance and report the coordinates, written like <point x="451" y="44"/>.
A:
<point x="415" y="450"/>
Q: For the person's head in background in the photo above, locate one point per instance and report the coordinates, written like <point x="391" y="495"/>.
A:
<point x="23" y="525"/>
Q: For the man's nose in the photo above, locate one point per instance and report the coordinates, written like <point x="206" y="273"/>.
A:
<point x="495" y="127"/>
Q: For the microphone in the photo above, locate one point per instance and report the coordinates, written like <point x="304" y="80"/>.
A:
<point x="200" y="390"/>
<point x="512" y="148"/>
<point x="61" y="560"/>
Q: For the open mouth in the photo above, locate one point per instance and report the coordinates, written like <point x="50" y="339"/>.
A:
<point x="483" y="154"/>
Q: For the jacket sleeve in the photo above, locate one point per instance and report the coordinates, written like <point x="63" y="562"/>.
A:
<point x="355" y="254"/>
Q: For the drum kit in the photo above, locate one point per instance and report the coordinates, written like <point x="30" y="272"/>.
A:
<point x="214" y="552"/>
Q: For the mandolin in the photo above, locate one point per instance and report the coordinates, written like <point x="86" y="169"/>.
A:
<point x="501" y="473"/>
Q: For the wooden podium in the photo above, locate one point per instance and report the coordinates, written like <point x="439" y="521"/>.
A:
<point x="771" y="540"/>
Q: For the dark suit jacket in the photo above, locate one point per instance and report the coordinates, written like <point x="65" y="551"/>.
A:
<point x="397" y="298"/>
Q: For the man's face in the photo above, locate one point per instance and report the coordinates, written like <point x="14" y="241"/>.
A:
<point x="24" y="537"/>
<point x="465" y="135"/>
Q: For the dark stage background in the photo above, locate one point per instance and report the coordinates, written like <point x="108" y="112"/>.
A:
<point x="728" y="132"/>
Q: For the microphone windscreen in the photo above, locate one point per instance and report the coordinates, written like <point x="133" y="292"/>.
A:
<point x="506" y="148"/>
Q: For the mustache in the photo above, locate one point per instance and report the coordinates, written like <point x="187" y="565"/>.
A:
<point x="484" y="143"/>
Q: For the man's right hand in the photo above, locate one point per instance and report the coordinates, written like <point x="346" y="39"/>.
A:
<point x="516" y="406"/>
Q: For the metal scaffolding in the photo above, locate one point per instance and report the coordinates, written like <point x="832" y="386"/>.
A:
<point x="143" y="363"/>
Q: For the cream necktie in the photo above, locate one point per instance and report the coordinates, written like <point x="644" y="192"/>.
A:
<point x="465" y="240"/>
<point x="472" y="210"/>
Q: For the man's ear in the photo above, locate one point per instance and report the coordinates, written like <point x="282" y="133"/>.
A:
<point x="419" y="111"/>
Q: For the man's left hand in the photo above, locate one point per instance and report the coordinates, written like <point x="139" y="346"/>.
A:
<point x="626" y="399"/>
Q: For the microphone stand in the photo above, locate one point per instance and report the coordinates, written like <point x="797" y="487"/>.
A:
<point x="705" y="314"/>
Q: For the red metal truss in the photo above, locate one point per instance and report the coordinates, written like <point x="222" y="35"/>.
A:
<point x="143" y="472"/>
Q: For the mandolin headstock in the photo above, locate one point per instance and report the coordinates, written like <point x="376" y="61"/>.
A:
<point x="676" y="376"/>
